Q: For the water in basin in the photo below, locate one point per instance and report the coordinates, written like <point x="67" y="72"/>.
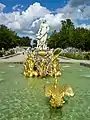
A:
<point x="23" y="98"/>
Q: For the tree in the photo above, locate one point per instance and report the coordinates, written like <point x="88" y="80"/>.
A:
<point x="69" y="36"/>
<point x="67" y="32"/>
<point x="10" y="39"/>
<point x="53" y="40"/>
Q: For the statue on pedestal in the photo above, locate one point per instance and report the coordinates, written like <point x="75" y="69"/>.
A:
<point x="42" y="35"/>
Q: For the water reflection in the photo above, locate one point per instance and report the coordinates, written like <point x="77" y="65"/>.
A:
<point x="11" y="66"/>
<point x="66" y="66"/>
<point x="87" y="76"/>
<point x="1" y="79"/>
<point x="2" y="72"/>
<point x="54" y="113"/>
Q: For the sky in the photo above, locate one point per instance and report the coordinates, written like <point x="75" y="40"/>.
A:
<point x="24" y="16"/>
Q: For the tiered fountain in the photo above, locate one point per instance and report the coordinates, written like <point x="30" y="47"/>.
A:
<point x="43" y="62"/>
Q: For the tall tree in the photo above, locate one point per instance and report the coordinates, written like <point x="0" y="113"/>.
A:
<point x="10" y="39"/>
<point x="67" y="32"/>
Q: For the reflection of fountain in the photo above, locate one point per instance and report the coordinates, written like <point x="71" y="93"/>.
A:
<point x="42" y="62"/>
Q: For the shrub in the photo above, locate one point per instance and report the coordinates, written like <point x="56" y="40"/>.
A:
<point x="7" y="53"/>
<point x="12" y="52"/>
<point x="1" y="53"/>
<point x="78" y="56"/>
<point x="87" y="56"/>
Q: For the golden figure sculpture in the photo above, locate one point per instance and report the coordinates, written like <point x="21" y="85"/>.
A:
<point x="41" y="63"/>
<point x="57" y="94"/>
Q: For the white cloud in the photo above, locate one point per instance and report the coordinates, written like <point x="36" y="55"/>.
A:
<point x="76" y="9"/>
<point x="84" y="26"/>
<point x="14" y="25"/>
<point x="2" y="6"/>
<point x="76" y="3"/>
<point x="24" y="21"/>
<point x="54" y="21"/>
<point x="17" y="7"/>
<point x="28" y="21"/>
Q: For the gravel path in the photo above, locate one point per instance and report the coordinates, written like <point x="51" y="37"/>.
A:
<point x="18" y="58"/>
<point x="21" y="58"/>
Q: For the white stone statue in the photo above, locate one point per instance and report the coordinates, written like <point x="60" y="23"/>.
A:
<point x="42" y="35"/>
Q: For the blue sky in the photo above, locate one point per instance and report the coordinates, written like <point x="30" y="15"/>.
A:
<point x="50" y="4"/>
<point x="24" y="16"/>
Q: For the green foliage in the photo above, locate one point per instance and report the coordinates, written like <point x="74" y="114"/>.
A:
<point x="12" y="51"/>
<point x="1" y="53"/>
<point x="9" y="39"/>
<point x="53" y="40"/>
<point x="78" y="56"/>
<point x="69" y="36"/>
<point x="69" y="55"/>
<point x="87" y="56"/>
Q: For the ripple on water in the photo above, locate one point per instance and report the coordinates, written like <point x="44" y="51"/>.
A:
<point x="11" y="66"/>
<point x="66" y="66"/>
<point x="1" y="79"/>
<point x="87" y="76"/>
<point x="80" y="70"/>
<point x="2" y="72"/>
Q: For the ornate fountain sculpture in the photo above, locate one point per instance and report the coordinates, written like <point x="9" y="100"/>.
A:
<point x="57" y="93"/>
<point x="42" y="63"/>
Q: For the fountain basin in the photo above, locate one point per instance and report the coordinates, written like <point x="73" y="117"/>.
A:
<point x="23" y="98"/>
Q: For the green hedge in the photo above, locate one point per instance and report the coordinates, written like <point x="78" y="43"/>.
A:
<point x="6" y="53"/>
<point x="87" y="56"/>
<point x="83" y="56"/>
<point x="1" y="53"/>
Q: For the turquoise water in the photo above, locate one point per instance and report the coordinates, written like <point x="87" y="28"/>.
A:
<point x="23" y="98"/>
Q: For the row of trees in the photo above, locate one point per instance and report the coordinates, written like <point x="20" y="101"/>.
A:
<point x="69" y="36"/>
<point x="9" y="39"/>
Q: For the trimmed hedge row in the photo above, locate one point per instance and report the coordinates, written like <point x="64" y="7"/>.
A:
<point x="82" y="56"/>
<point x="2" y="53"/>
<point x="6" y="53"/>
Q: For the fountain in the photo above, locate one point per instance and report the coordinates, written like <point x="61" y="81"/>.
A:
<point x="43" y="62"/>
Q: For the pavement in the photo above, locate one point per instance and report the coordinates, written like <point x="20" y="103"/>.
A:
<point x="21" y="58"/>
<point x="18" y="58"/>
